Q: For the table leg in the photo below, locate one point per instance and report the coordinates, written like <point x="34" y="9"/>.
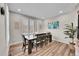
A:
<point x="30" y="47"/>
<point x="50" y="36"/>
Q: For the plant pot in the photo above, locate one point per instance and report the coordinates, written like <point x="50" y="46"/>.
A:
<point x="72" y="48"/>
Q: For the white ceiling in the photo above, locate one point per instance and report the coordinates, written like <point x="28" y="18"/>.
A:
<point x="42" y="10"/>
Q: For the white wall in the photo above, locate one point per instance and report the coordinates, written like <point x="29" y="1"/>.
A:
<point x="58" y="34"/>
<point x="16" y="30"/>
<point x="17" y="23"/>
<point x="3" y="40"/>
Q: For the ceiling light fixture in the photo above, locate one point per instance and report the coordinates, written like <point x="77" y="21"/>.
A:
<point x="19" y="10"/>
<point x="60" y="12"/>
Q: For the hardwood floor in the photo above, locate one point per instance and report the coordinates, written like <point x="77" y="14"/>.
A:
<point x="52" y="49"/>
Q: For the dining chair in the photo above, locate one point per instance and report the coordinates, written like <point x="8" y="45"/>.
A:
<point x="47" y="39"/>
<point x="37" y="42"/>
<point x="25" y="43"/>
<point x="43" y="40"/>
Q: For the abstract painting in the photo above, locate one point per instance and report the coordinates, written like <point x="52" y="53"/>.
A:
<point x="53" y="25"/>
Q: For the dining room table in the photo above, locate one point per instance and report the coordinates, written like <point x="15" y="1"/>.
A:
<point x="30" y="39"/>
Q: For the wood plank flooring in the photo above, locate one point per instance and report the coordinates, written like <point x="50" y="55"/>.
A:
<point x="52" y="49"/>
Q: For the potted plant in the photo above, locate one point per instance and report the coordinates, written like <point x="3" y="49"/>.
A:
<point x="70" y="32"/>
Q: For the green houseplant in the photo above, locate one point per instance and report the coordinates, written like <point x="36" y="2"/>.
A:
<point x="70" y="32"/>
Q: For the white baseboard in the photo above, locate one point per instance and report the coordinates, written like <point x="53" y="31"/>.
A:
<point x="15" y="43"/>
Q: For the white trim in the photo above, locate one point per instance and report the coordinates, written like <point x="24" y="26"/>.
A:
<point x="15" y="43"/>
